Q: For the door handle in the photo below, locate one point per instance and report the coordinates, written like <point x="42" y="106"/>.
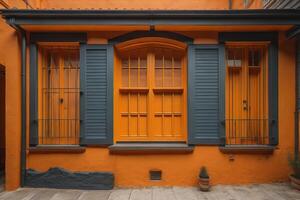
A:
<point x="245" y="105"/>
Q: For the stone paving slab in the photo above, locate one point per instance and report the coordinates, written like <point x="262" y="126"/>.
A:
<point x="279" y="191"/>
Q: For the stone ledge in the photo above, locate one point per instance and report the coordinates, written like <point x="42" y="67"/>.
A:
<point x="57" y="149"/>
<point x="153" y="148"/>
<point x="247" y="149"/>
<point x="63" y="179"/>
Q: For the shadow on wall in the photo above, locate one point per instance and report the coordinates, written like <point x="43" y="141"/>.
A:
<point x="2" y="124"/>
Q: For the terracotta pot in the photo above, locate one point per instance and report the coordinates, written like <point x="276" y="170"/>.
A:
<point x="295" y="182"/>
<point x="204" y="184"/>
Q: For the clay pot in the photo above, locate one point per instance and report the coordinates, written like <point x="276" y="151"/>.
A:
<point x="295" y="182"/>
<point x="204" y="184"/>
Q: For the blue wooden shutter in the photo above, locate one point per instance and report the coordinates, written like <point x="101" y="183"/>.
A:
<point x="96" y="66"/>
<point x="205" y="94"/>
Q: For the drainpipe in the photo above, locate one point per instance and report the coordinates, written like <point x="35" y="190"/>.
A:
<point x="23" y="107"/>
<point x="297" y="96"/>
<point x="22" y="33"/>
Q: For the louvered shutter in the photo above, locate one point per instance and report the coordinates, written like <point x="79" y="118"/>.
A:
<point x="96" y="94"/>
<point x="205" y="94"/>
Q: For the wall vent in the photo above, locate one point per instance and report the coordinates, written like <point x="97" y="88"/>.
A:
<point x="155" y="175"/>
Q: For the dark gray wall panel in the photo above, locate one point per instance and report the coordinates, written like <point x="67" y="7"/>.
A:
<point x="63" y="179"/>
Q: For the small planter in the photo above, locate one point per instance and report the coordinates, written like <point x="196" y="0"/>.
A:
<point x="295" y="182"/>
<point x="295" y="177"/>
<point x="204" y="183"/>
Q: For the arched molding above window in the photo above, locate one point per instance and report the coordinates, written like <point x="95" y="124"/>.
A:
<point x="145" y="34"/>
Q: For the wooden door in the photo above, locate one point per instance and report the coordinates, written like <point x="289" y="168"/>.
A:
<point x="246" y="95"/>
<point x="151" y="96"/>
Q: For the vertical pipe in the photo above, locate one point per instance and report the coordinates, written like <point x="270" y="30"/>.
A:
<point x="296" y="135"/>
<point x="297" y="96"/>
<point x="23" y="106"/>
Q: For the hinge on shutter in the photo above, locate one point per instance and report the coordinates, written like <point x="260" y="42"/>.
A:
<point x="81" y="92"/>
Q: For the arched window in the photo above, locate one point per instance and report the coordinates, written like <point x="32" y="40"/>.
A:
<point x="150" y="90"/>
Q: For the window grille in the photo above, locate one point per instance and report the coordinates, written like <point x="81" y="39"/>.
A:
<point x="59" y="93"/>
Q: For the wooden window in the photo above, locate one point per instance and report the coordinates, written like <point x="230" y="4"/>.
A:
<point x="59" y="90"/>
<point x="150" y="99"/>
<point x="247" y="95"/>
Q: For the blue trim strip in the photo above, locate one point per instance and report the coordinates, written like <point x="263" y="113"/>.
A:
<point x="152" y="17"/>
<point x="58" y="37"/>
<point x="110" y="93"/>
<point x="222" y="75"/>
<point x="82" y="90"/>
<point x="33" y="141"/>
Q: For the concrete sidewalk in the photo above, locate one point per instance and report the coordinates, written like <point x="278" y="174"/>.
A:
<point x="280" y="191"/>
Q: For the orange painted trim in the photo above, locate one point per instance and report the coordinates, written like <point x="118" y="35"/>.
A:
<point x="151" y="42"/>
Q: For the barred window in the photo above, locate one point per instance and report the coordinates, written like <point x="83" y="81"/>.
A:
<point x="59" y="93"/>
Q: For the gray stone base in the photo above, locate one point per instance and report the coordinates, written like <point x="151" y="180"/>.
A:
<point x="63" y="179"/>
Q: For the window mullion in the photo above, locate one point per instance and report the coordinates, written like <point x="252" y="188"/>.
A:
<point x="151" y="82"/>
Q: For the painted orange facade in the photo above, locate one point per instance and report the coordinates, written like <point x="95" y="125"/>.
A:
<point x="132" y="170"/>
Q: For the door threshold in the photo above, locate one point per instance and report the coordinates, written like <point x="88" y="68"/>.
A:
<point x="150" y="147"/>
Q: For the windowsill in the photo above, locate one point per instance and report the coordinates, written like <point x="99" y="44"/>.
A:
<point x="57" y="149"/>
<point x="150" y="148"/>
<point x="247" y="149"/>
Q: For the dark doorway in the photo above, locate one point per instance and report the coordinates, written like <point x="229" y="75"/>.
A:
<point x="2" y="126"/>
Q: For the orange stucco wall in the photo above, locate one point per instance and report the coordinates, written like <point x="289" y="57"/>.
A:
<point x="132" y="170"/>
<point x="10" y="58"/>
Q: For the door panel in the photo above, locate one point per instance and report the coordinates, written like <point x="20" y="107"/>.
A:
<point x="246" y="95"/>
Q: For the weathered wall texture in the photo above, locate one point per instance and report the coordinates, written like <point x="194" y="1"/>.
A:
<point x="10" y="58"/>
<point x="132" y="170"/>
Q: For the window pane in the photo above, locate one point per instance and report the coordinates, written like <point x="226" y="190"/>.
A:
<point x="158" y="72"/>
<point x="125" y="71"/>
<point x="234" y="57"/>
<point x="254" y="57"/>
<point x="143" y="72"/>
<point x="133" y="67"/>
<point x="177" y="73"/>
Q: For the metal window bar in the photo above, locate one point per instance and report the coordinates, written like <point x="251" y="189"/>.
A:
<point x="247" y="131"/>
<point x="59" y="122"/>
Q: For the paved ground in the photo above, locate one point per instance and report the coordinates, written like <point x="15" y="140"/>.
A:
<point x="249" y="192"/>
